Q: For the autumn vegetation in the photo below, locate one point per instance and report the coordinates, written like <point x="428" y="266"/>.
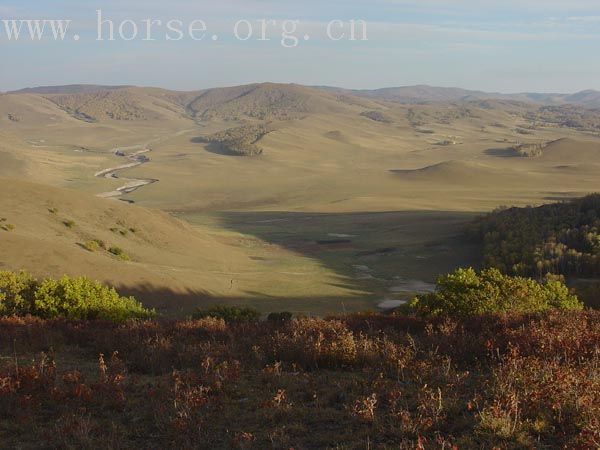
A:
<point x="360" y="381"/>
<point x="95" y="370"/>
<point x="561" y="239"/>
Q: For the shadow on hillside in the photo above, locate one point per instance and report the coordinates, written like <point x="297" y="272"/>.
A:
<point x="501" y="152"/>
<point x="164" y="300"/>
<point x="213" y="147"/>
<point x="370" y="254"/>
<point x="172" y="304"/>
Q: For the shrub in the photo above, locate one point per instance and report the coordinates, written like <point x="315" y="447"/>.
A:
<point x="207" y="326"/>
<point x="505" y="382"/>
<point x="69" y="223"/>
<point x="122" y="231"/>
<point x="119" y="253"/>
<point x="52" y="210"/>
<point x="94" y="245"/>
<point x="70" y="298"/>
<point x="6" y="226"/>
<point x="16" y="293"/>
<point x="229" y="314"/>
<point x="81" y="298"/>
<point x="280" y="317"/>
<point x="466" y="292"/>
<point x="529" y="150"/>
<point x="316" y="343"/>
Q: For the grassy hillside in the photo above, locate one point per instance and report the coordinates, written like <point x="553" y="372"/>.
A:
<point x="267" y="101"/>
<point x="55" y="232"/>
<point x="317" y="136"/>
<point x="343" y="182"/>
<point x="164" y="261"/>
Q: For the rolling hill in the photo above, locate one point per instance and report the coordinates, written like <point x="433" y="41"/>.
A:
<point x="398" y="178"/>
<point x="51" y="229"/>
<point x="461" y="174"/>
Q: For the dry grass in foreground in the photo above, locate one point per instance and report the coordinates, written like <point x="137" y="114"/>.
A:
<point x="361" y="381"/>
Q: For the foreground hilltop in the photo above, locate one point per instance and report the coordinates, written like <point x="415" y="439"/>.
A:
<point x="353" y="382"/>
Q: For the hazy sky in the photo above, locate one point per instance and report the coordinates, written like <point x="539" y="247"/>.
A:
<point x="506" y="46"/>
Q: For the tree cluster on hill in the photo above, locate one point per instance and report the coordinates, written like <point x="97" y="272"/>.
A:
<point x="561" y="238"/>
<point x="453" y="113"/>
<point x="376" y="116"/>
<point x="239" y="141"/>
<point x="416" y="118"/>
<point x="568" y="116"/>
<point x="529" y="150"/>
<point x="95" y="106"/>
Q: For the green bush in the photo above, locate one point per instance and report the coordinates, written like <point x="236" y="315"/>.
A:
<point x="17" y="291"/>
<point x="69" y="298"/>
<point x="119" y="253"/>
<point x="69" y="223"/>
<point x="81" y="298"/>
<point x="467" y="292"/>
<point x="229" y="314"/>
<point x="94" y="245"/>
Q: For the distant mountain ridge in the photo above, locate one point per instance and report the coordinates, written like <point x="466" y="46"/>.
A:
<point x="68" y="89"/>
<point x="416" y="94"/>
<point x="269" y="101"/>
<point x="261" y="101"/>
<point x="421" y="94"/>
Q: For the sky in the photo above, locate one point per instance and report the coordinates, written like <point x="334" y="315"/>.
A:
<point x="490" y="45"/>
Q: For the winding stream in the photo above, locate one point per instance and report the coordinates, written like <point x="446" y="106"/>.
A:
<point x="136" y="158"/>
